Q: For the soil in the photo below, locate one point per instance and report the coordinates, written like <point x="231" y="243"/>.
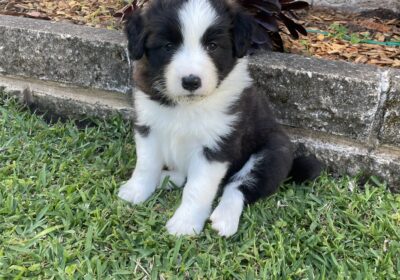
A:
<point x="377" y="26"/>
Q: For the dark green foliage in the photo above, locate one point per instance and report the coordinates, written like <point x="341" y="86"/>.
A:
<point x="268" y="15"/>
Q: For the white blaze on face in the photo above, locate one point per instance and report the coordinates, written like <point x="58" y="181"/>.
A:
<point x="195" y="17"/>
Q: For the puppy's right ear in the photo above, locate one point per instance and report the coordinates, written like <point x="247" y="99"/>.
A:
<point x="242" y="33"/>
<point x="134" y="30"/>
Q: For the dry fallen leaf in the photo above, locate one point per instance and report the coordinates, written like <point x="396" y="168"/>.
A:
<point x="361" y="59"/>
<point x="380" y="37"/>
<point x="38" y="15"/>
<point x="370" y="24"/>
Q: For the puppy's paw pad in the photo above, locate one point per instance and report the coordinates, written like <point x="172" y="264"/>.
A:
<point x="134" y="193"/>
<point x="224" y="222"/>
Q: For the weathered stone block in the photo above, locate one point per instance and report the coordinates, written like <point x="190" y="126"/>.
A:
<point x="342" y="156"/>
<point x="63" y="52"/>
<point x="67" y="101"/>
<point x="385" y="163"/>
<point x="330" y="96"/>
<point x="390" y="131"/>
<point x="359" y="5"/>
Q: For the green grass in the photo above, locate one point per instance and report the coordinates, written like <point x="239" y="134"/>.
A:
<point x="60" y="217"/>
<point x="341" y="32"/>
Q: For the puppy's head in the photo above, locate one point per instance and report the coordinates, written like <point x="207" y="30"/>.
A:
<point x="186" y="48"/>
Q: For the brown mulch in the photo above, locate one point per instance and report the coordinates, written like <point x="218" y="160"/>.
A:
<point x="377" y="27"/>
<point x="96" y="13"/>
<point x="358" y="26"/>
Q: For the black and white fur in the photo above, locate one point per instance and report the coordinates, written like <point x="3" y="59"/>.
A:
<point x="198" y="118"/>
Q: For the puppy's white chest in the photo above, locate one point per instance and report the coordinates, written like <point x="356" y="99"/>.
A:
<point x="184" y="130"/>
<point x="177" y="149"/>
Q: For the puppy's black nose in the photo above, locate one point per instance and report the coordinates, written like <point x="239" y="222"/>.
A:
<point x="191" y="82"/>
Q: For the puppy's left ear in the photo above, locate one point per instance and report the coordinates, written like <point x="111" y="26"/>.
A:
<point x="242" y="33"/>
<point x="134" y="30"/>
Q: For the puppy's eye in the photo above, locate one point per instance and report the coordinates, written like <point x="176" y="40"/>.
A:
<point x="169" y="47"/>
<point x="211" y="46"/>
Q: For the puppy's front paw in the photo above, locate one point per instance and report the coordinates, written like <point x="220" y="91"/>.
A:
<point x="187" y="221"/>
<point x="135" y="191"/>
<point x="225" y="219"/>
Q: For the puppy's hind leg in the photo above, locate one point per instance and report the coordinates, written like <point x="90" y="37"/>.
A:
<point x="272" y="167"/>
<point x="225" y="218"/>
<point x="259" y="177"/>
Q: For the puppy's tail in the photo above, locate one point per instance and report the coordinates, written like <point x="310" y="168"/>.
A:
<point x="306" y="168"/>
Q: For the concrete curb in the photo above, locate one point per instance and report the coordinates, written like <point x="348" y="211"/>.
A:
<point x="348" y="114"/>
<point x="66" y="53"/>
<point x="358" y="5"/>
<point x="67" y="100"/>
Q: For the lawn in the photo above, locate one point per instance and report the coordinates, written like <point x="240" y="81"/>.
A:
<point x="60" y="217"/>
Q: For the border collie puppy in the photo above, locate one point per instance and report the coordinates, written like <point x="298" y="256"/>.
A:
<point x="198" y="119"/>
